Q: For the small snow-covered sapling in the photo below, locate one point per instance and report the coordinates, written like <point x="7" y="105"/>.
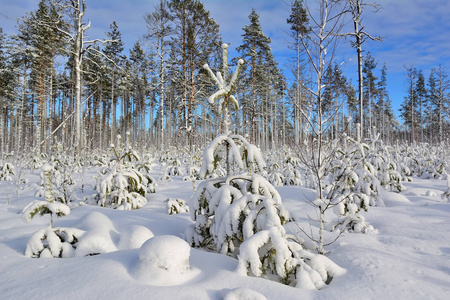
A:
<point x="49" y="206"/>
<point x="123" y="186"/>
<point x="6" y="172"/>
<point x="176" y="206"/>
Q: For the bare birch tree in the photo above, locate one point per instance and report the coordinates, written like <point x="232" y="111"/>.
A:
<point x="320" y="46"/>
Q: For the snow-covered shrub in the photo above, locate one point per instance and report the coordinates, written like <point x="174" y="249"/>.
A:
<point x="165" y="177"/>
<point x="21" y="170"/>
<point x="292" y="175"/>
<point x="231" y="152"/>
<point x="284" y="167"/>
<point x="149" y="182"/>
<point x="64" y="166"/>
<point x="226" y="211"/>
<point x="175" y="168"/>
<point x="380" y="156"/>
<point x="176" y="206"/>
<point x="193" y="173"/>
<point x="267" y="253"/>
<point x="53" y="242"/>
<point x="144" y="166"/>
<point x="6" y="171"/>
<point x="99" y="160"/>
<point x="44" y="207"/>
<point x="122" y="186"/>
<point x="274" y="176"/>
<point x="123" y="155"/>
<point x="50" y="242"/>
<point x="242" y="215"/>
<point x="424" y="161"/>
<point x="50" y="205"/>
<point x="351" y="186"/>
<point x="351" y="172"/>
<point x="121" y="189"/>
<point x="446" y="195"/>
<point x="292" y="160"/>
<point x="37" y="160"/>
<point x="174" y="171"/>
<point x="352" y="223"/>
<point x="390" y="178"/>
<point x="273" y="255"/>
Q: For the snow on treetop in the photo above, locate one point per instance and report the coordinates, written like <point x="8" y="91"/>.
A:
<point x="43" y="207"/>
<point x="58" y="208"/>
<point x="47" y="168"/>
<point x="225" y="85"/>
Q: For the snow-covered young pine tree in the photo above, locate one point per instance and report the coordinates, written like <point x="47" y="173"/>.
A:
<point x="50" y="241"/>
<point x="49" y="205"/>
<point x="122" y="185"/>
<point x="241" y="214"/>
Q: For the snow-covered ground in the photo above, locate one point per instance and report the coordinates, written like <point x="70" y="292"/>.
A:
<point x="408" y="257"/>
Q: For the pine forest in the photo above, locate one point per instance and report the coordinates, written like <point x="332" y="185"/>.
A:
<point x="187" y="167"/>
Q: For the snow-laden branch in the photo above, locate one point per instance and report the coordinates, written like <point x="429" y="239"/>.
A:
<point x="225" y="89"/>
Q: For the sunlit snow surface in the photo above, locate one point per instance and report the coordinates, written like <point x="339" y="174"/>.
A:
<point x="408" y="257"/>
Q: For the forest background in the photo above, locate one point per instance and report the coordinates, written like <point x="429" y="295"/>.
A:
<point x="405" y="81"/>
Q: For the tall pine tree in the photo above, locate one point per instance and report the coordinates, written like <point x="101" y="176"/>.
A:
<point x="370" y="89"/>
<point x="298" y="21"/>
<point x="254" y="50"/>
<point x="196" y="38"/>
<point x="113" y="51"/>
<point x="408" y="109"/>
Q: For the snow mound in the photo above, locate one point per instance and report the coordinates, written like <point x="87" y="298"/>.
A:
<point x="98" y="237"/>
<point x="96" y="220"/>
<point x="95" y="242"/>
<point x="431" y="194"/>
<point x="134" y="237"/>
<point x="164" y="261"/>
<point x="393" y="199"/>
<point x="166" y="252"/>
<point x="242" y="294"/>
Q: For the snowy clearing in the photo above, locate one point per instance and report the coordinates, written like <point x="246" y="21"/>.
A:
<point x="408" y="257"/>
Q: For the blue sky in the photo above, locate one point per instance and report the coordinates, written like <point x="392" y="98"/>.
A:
<point x="415" y="32"/>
